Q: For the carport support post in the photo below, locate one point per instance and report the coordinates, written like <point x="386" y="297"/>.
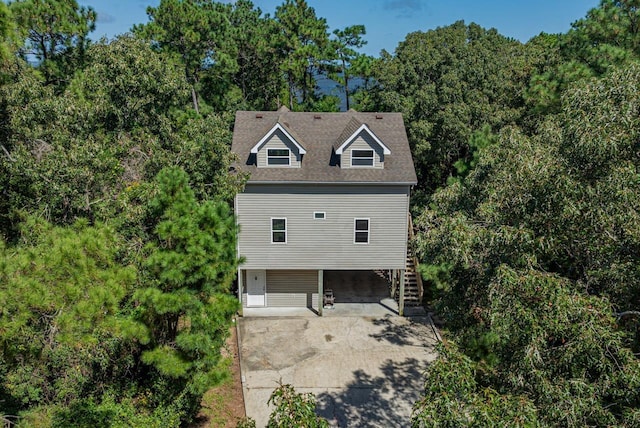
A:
<point x="240" y="285"/>
<point x="401" y="292"/>
<point x="320" y="291"/>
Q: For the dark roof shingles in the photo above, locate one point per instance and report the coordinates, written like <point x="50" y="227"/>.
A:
<point x="320" y="137"/>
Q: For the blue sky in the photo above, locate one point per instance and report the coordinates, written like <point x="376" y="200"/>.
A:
<point x="389" y="21"/>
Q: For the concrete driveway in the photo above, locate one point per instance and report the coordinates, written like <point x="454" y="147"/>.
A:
<point x="364" y="371"/>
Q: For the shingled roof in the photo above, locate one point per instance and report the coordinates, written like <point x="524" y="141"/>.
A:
<point x="321" y="134"/>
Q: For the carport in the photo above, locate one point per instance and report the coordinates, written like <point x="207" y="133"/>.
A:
<point x="356" y="293"/>
<point x="356" y="286"/>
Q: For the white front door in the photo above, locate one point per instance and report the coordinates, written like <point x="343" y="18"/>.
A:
<point x="256" y="285"/>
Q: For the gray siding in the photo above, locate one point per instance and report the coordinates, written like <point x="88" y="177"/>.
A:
<point x="328" y="243"/>
<point x="363" y="142"/>
<point x="278" y="141"/>
<point x="293" y="288"/>
<point x="289" y="288"/>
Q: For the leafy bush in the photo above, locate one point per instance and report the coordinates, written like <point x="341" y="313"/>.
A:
<point x="294" y="409"/>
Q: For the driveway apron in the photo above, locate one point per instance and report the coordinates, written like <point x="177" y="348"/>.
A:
<point x="364" y="371"/>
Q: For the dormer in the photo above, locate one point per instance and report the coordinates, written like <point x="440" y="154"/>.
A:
<point x="278" y="148"/>
<point x="360" y="147"/>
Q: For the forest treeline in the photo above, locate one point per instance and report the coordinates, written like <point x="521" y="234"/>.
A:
<point x="117" y="254"/>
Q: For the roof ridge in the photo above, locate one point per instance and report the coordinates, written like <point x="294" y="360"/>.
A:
<point x="290" y="130"/>
<point x="352" y="126"/>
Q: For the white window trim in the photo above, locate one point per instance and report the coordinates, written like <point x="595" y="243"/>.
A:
<point x="355" y="220"/>
<point x="288" y="157"/>
<point x="324" y="215"/>
<point x="363" y="127"/>
<point x="373" y="158"/>
<point x="286" y="233"/>
<point x="269" y="134"/>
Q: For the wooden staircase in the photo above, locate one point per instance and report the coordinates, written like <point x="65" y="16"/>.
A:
<point x="413" y="289"/>
<point x="412" y="281"/>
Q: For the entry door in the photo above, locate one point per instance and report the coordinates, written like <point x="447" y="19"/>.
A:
<point x="256" y="285"/>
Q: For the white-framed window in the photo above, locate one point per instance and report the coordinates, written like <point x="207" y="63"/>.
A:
<point x="361" y="231"/>
<point x="278" y="230"/>
<point x="278" y="157"/>
<point x="361" y="157"/>
<point x="319" y="215"/>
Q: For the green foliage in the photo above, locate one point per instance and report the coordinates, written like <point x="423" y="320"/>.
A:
<point x="55" y="33"/>
<point x="84" y="343"/>
<point x="61" y="294"/>
<point x="606" y="39"/>
<point x="91" y="149"/>
<point x="293" y="409"/>
<point x="453" y="398"/>
<point x="6" y="29"/>
<point x="194" y="30"/>
<point x="346" y="42"/>
<point x="531" y="248"/>
<point x="362" y="66"/>
<point x="86" y="152"/>
<point x="305" y="48"/>
<point x="534" y="252"/>
<point x="479" y="140"/>
<point x="112" y="413"/>
<point x="246" y="423"/>
<point x="185" y="303"/>
<point x="258" y="76"/>
<point x="71" y="153"/>
<point x="449" y="83"/>
<point x="127" y="86"/>
<point x="236" y="58"/>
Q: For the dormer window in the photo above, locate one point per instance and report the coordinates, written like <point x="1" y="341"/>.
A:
<point x="277" y="157"/>
<point x="361" y="157"/>
<point x="279" y="147"/>
<point x="360" y="147"/>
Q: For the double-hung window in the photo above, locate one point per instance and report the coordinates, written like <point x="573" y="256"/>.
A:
<point x="278" y="230"/>
<point x="361" y="231"/>
<point x="278" y="157"/>
<point x="361" y="157"/>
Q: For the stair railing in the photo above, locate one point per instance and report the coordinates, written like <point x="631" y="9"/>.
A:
<point x="415" y="260"/>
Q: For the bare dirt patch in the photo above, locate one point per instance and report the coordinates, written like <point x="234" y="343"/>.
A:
<point x="223" y="406"/>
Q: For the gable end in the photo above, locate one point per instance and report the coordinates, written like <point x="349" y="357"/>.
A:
<point x="363" y="128"/>
<point x="363" y="149"/>
<point x="272" y="131"/>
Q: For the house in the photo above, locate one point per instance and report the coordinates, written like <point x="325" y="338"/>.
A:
<point x="326" y="191"/>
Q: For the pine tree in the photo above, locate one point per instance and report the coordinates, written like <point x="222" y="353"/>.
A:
<point x="189" y="270"/>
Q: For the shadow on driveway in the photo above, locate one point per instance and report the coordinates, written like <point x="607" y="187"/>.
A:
<point x="401" y="333"/>
<point x="381" y="401"/>
<point x="364" y="371"/>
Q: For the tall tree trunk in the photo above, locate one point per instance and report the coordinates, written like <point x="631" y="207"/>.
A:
<point x="346" y="82"/>
<point x="290" y="92"/>
<point x="194" y="97"/>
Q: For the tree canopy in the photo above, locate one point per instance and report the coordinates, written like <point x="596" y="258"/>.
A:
<point x="54" y="34"/>
<point x="536" y="254"/>
<point x="118" y="239"/>
<point x="449" y="82"/>
<point x="83" y="237"/>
